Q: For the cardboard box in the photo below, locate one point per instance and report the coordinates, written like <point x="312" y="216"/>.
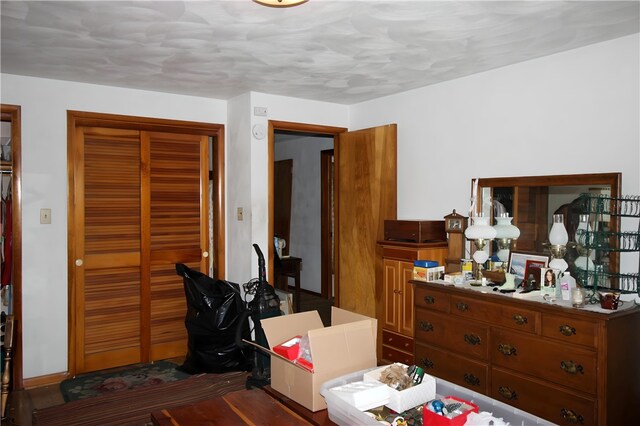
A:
<point x="428" y="274"/>
<point x="404" y="400"/>
<point x="348" y="345"/>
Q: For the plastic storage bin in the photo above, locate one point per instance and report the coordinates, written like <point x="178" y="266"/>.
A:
<point x="343" y="414"/>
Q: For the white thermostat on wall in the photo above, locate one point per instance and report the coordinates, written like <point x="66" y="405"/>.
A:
<point x="259" y="131"/>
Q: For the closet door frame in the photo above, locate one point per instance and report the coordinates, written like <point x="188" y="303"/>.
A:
<point x="76" y="119"/>
<point x="12" y="113"/>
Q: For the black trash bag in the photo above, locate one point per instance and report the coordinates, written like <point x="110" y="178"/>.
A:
<point x="214" y="308"/>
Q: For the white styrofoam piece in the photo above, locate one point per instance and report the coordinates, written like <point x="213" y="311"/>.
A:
<point x="363" y="395"/>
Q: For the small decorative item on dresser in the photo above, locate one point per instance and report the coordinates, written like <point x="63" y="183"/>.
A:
<point x="455" y="225"/>
<point x="577" y="297"/>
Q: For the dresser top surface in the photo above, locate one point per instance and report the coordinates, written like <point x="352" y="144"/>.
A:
<point x="534" y="300"/>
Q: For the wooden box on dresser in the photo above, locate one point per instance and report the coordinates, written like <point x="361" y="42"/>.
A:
<point x="396" y="307"/>
<point x="566" y="365"/>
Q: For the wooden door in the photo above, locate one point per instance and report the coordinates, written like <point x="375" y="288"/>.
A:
<point x="390" y="286"/>
<point x="107" y="216"/>
<point x="282" y="184"/>
<point x="405" y="313"/>
<point x="175" y="206"/>
<point x="366" y="195"/>
<point x="140" y="207"/>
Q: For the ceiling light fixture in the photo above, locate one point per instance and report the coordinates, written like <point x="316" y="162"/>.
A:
<point x="280" y="3"/>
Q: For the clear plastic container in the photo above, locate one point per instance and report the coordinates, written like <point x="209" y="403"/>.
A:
<point x="343" y="414"/>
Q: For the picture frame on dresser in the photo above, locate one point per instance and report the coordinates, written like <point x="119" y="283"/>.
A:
<point x="521" y="264"/>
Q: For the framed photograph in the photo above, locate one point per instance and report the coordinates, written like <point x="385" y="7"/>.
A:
<point x="523" y="264"/>
<point x="548" y="279"/>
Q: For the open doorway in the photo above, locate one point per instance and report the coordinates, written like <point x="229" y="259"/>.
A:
<point x="302" y="209"/>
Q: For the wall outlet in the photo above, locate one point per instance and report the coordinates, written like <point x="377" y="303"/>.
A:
<point x="45" y="216"/>
<point x="240" y="214"/>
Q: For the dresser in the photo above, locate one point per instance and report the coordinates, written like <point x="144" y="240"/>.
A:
<point x="395" y="309"/>
<point x="569" y="366"/>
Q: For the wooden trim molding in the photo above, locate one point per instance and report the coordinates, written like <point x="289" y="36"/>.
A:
<point x="312" y="129"/>
<point x="46" y="380"/>
<point x="78" y="119"/>
<point x="12" y="113"/>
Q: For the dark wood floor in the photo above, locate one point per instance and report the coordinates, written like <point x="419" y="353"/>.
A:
<point x="21" y="403"/>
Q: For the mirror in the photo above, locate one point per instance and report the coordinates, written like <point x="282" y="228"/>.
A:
<point x="533" y="200"/>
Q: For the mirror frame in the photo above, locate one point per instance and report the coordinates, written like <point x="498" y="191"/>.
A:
<point x="614" y="180"/>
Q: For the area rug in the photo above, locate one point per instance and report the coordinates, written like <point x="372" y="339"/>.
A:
<point x="134" y="407"/>
<point x="136" y="376"/>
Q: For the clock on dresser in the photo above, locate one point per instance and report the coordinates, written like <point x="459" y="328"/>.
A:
<point x="455" y="225"/>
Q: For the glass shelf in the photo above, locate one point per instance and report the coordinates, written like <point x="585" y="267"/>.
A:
<point x="604" y="240"/>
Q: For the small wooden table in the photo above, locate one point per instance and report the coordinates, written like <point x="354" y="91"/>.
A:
<point x="245" y="407"/>
<point x="290" y="267"/>
<point x="319" y="418"/>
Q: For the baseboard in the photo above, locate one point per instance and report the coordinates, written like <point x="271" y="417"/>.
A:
<point x="40" y="381"/>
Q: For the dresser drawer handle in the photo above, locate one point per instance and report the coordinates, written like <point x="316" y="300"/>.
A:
<point x="507" y="393"/>
<point x="520" y="319"/>
<point x="571" y="416"/>
<point x="429" y="300"/>
<point x="462" y="306"/>
<point x="507" y="349"/>
<point x="471" y="379"/>
<point x="425" y="326"/>
<point x="570" y="367"/>
<point x="428" y="364"/>
<point x="472" y="339"/>
<point x="567" y="330"/>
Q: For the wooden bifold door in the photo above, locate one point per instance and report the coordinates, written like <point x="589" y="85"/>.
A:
<point x="140" y="205"/>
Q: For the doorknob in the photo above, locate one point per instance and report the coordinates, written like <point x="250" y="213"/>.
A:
<point x="79" y="262"/>
<point x="205" y="254"/>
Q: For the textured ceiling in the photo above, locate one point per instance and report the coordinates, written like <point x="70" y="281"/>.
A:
<point x="337" y="51"/>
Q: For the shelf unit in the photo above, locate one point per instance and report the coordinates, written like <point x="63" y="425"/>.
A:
<point x="608" y="241"/>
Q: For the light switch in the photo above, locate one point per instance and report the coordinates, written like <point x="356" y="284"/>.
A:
<point x="240" y="214"/>
<point x="45" y="216"/>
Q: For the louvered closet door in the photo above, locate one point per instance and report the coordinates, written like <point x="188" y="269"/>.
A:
<point x="140" y="207"/>
<point x="178" y="181"/>
<point x="107" y="309"/>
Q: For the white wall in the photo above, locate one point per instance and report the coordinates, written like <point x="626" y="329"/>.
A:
<point x="279" y="108"/>
<point x="306" y="196"/>
<point x="44" y="104"/>
<point x="572" y="112"/>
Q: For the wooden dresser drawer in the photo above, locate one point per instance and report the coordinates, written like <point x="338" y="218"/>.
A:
<point x="505" y="315"/>
<point x="453" y="368"/>
<point x="397" y="341"/>
<point x="431" y="299"/>
<point x="571" y="330"/>
<point x="566" y="365"/>
<point x="554" y="404"/>
<point x="394" y="355"/>
<point x="443" y="330"/>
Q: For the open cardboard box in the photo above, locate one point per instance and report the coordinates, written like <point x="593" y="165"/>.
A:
<point x="348" y="345"/>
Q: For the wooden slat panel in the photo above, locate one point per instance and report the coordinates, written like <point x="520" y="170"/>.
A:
<point x="111" y="191"/>
<point x="108" y="243"/>
<point x="168" y="305"/>
<point x="178" y="216"/>
<point x="175" y="191"/>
